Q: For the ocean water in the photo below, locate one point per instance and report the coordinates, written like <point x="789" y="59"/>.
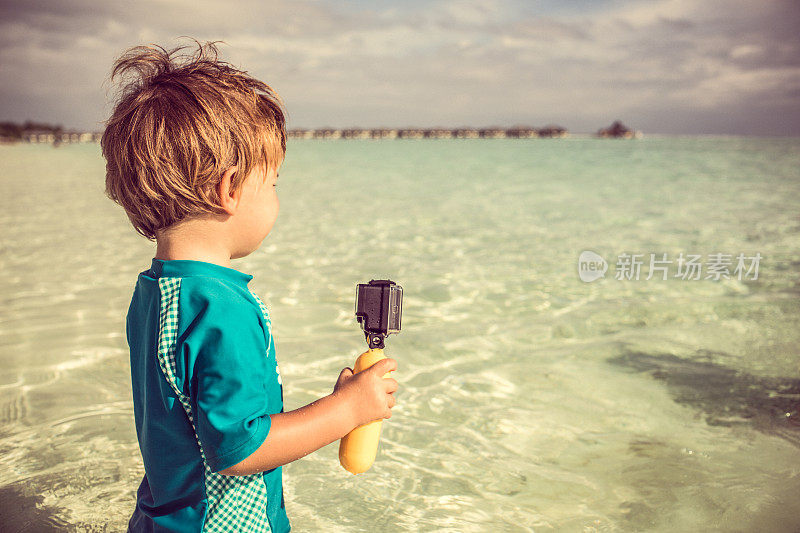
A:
<point x="530" y="400"/>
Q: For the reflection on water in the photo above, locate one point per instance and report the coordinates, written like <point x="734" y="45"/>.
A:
<point x="529" y="400"/>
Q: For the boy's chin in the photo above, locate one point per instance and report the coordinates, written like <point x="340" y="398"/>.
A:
<point x="244" y="252"/>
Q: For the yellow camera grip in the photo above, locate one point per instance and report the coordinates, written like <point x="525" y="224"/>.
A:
<point x="357" y="449"/>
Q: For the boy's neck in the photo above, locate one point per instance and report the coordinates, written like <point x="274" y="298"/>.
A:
<point x="195" y="241"/>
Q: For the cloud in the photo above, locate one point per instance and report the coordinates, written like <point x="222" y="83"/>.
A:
<point x="654" y="64"/>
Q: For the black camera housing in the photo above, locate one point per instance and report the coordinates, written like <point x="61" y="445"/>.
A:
<point x="379" y="308"/>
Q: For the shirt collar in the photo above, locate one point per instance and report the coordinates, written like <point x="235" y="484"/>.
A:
<point x="179" y="268"/>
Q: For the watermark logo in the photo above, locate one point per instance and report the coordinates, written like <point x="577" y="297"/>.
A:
<point x="718" y="266"/>
<point x="591" y="266"/>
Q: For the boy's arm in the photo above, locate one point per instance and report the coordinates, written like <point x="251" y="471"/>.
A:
<point x="355" y="400"/>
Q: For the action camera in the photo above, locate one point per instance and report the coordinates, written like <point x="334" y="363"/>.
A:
<point x="379" y="306"/>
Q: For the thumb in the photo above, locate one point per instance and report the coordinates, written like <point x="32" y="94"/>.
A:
<point x="344" y="375"/>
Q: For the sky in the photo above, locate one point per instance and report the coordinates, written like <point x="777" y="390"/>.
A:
<point x="660" y="66"/>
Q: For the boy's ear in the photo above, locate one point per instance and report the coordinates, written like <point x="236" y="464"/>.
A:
<point x="228" y="199"/>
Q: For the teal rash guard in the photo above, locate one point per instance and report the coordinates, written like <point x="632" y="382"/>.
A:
<point x="205" y="380"/>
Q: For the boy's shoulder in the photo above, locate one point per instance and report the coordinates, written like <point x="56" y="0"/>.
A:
<point x="215" y="316"/>
<point x="207" y="291"/>
<point x="214" y="289"/>
<point x="219" y="298"/>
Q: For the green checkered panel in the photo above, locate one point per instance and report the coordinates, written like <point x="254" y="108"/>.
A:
<point x="235" y="503"/>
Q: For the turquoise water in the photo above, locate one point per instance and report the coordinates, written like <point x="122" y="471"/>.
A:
<point x="530" y="400"/>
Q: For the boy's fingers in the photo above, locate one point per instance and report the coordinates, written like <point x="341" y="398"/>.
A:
<point x="385" y="365"/>
<point x="391" y="385"/>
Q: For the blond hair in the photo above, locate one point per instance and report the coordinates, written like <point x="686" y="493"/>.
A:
<point x="178" y="124"/>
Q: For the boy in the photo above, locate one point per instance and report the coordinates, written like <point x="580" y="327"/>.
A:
<point x="192" y="151"/>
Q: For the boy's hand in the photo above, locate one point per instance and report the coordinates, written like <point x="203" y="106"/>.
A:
<point x="368" y="393"/>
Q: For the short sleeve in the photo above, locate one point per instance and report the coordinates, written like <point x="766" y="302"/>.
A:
<point x="230" y="377"/>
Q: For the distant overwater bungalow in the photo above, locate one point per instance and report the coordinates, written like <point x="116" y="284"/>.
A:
<point x="516" y="132"/>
